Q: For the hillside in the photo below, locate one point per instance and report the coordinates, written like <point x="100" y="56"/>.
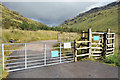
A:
<point x="12" y="19"/>
<point x="98" y="18"/>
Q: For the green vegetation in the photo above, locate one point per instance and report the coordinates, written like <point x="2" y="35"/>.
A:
<point x="113" y="59"/>
<point x="27" y="36"/>
<point x="68" y="36"/>
<point x="96" y="18"/>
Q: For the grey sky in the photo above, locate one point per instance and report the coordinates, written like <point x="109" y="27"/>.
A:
<point x="51" y="13"/>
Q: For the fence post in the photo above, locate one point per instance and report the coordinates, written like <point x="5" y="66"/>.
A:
<point x="57" y="37"/>
<point x="75" y="51"/>
<point x="45" y="54"/>
<point x="89" y="39"/>
<point x="108" y="31"/>
<point x="105" y="45"/>
<point x="83" y="39"/>
<point x="113" y="42"/>
<point x="106" y="41"/>
<point x="25" y="56"/>
<point x="60" y="52"/>
<point x="3" y="55"/>
<point x="69" y="36"/>
<point x="83" y="34"/>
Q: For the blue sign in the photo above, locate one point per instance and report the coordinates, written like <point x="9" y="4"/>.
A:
<point x="96" y="38"/>
<point x="54" y="54"/>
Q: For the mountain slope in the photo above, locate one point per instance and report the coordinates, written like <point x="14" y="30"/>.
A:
<point x="98" y="18"/>
<point x="12" y="19"/>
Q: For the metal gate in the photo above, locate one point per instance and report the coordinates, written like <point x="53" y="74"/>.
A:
<point x="19" y="56"/>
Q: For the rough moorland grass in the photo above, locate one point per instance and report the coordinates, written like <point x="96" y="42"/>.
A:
<point x="107" y="18"/>
<point x="28" y="36"/>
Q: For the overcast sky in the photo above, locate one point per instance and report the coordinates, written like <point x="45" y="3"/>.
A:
<point x="52" y="13"/>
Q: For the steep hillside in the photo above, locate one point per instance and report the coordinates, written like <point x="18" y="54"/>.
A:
<point x="98" y="18"/>
<point x="12" y="19"/>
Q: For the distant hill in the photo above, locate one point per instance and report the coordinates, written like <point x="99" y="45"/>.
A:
<point x="98" y="18"/>
<point x="12" y="19"/>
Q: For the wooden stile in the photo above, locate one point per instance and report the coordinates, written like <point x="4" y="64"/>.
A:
<point x="95" y="48"/>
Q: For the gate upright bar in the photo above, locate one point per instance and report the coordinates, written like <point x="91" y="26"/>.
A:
<point x="3" y="55"/>
<point x="45" y="54"/>
<point x="60" y="52"/>
<point x="25" y="56"/>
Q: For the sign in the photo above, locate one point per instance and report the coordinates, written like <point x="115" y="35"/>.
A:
<point x="96" y="38"/>
<point x="67" y="45"/>
<point x="54" y="53"/>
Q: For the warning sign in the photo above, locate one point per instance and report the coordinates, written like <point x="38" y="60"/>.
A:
<point x="67" y="45"/>
<point x="54" y="53"/>
<point x="96" y="38"/>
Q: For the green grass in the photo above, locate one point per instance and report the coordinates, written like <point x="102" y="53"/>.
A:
<point x="113" y="59"/>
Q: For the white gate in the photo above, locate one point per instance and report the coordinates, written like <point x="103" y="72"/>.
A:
<point x="19" y="56"/>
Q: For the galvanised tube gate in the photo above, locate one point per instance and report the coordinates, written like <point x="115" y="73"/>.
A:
<point x="20" y="56"/>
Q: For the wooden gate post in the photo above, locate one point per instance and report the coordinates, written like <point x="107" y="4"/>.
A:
<point x="113" y="41"/>
<point x="108" y="31"/>
<point x="75" y="51"/>
<point x="105" y="45"/>
<point x="83" y="34"/>
<point x="89" y="39"/>
<point x="83" y="39"/>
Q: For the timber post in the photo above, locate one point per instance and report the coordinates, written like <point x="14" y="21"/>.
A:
<point x="113" y="41"/>
<point x="75" y="50"/>
<point x="89" y="39"/>
<point x="108" y="36"/>
<point x="83" y="36"/>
